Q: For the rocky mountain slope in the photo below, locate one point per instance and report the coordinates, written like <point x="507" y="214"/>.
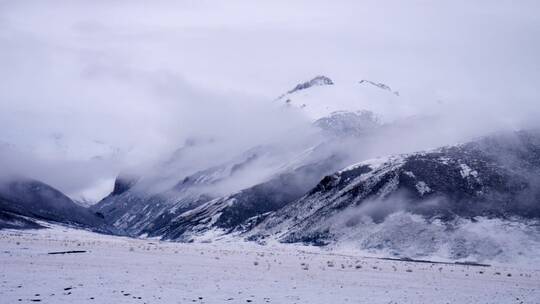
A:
<point x="200" y="201"/>
<point x="24" y="200"/>
<point x="226" y="195"/>
<point x="240" y="211"/>
<point x="409" y="203"/>
<point x="493" y="177"/>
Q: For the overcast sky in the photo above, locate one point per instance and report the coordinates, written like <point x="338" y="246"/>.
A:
<point x="98" y="77"/>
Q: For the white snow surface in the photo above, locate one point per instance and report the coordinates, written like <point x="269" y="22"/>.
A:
<point x="320" y="101"/>
<point x="466" y="171"/>
<point x="124" y="270"/>
<point x="422" y="187"/>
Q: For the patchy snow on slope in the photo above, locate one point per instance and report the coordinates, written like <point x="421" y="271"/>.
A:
<point x="321" y="99"/>
<point x="422" y="187"/>
<point x="410" y="174"/>
<point x="375" y="163"/>
<point x="407" y="235"/>
<point x="466" y="171"/>
<point x="108" y="269"/>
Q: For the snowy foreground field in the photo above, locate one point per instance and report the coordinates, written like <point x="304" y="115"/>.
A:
<point x="123" y="270"/>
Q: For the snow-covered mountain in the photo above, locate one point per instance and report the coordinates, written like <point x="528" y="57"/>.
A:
<point x="321" y="96"/>
<point x="23" y="200"/>
<point x="230" y="198"/>
<point x="224" y="196"/>
<point x="495" y="177"/>
<point x="297" y="191"/>
<point x="239" y="211"/>
<point x="262" y="179"/>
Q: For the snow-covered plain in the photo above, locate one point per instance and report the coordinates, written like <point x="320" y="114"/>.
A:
<point x="124" y="270"/>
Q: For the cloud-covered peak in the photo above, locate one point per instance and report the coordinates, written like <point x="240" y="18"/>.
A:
<point x="317" y="81"/>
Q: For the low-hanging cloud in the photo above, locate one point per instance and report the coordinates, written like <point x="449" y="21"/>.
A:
<point x="89" y="89"/>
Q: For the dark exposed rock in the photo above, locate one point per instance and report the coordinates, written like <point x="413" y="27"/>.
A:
<point x="245" y="209"/>
<point x="34" y="199"/>
<point x="10" y="220"/>
<point x="139" y="211"/>
<point x="316" y="81"/>
<point x="496" y="176"/>
<point x="67" y="252"/>
<point x="123" y="183"/>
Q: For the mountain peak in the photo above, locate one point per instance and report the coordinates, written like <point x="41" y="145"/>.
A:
<point x="316" y="81"/>
<point x="379" y="85"/>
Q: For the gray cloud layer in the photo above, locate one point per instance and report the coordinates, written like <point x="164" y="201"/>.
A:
<point x="91" y="87"/>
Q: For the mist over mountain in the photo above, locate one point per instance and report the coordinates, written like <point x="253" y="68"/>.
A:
<point x="310" y="151"/>
<point x="387" y="128"/>
<point x="129" y="83"/>
<point x="493" y="177"/>
<point x="22" y="201"/>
